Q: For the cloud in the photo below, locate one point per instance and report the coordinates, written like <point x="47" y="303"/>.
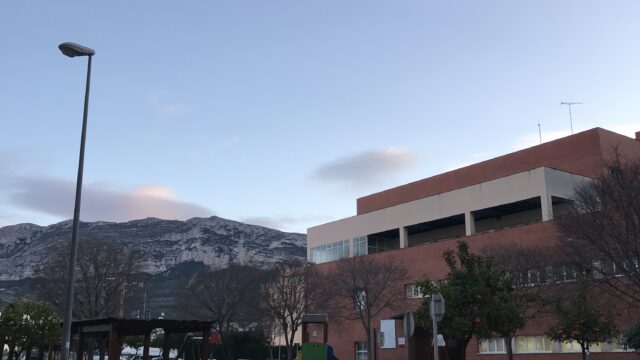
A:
<point x="367" y="168"/>
<point x="56" y="197"/>
<point x="286" y="223"/>
<point x="162" y="107"/>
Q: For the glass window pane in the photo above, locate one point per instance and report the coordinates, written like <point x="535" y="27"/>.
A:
<point x="521" y="344"/>
<point x="530" y="343"/>
<point x="484" y="346"/>
<point x="539" y="343"/>
<point x="500" y="345"/>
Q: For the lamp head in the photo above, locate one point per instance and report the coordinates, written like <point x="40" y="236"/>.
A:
<point x="72" y="50"/>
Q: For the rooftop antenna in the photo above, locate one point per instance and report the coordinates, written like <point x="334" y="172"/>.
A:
<point x="569" y="103"/>
<point x="539" y="133"/>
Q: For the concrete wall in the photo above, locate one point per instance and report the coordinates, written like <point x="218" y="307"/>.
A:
<point x="540" y="182"/>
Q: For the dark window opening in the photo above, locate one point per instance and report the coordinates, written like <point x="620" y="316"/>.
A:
<point x="436" y="230"/>
<point x="383" y="241"/>
<point x="499" y="217"/>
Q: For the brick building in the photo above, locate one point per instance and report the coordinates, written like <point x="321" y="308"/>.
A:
<point x="508" y="199"/>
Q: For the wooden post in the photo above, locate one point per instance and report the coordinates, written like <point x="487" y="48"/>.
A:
<point x="147" y="341"/>
<point x="103" y="346"/>
<point x="114" y="344"/>
<point x="166" y="346"/>
<point x="80" y="347"/>
<point x="204" y="349"/>
<point x="325" y="330"/>
<point x="305" y="335"/>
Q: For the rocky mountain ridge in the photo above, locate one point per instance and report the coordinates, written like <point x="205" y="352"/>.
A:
<point x="214" y="242"/>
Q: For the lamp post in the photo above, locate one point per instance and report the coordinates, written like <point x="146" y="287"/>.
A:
<point x="73" y="50"/>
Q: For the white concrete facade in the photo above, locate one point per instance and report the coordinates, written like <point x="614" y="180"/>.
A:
<point x="543" y="183"/>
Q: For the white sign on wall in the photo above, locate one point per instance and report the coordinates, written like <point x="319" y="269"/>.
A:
<point x="387" y="334"/>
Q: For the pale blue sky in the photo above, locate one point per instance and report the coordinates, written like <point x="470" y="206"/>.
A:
<point x="282" y="113"/>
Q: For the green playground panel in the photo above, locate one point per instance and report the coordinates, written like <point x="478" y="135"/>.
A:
<point x="314" y="351"/>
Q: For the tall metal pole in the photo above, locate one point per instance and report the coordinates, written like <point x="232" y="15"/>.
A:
<point x="434" y="322"/>
<point x="66" y="331"/>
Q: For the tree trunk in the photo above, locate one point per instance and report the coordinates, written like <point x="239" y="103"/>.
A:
<point x="27" y="355"/>
<point x="41" y="352"/>
<point x="12" y="350"/>
<point x="507" y="344"/>
<point x="370" y="343"/>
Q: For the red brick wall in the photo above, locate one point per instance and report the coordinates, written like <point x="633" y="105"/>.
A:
<point x="580" y="154"/>
<point x="426" y="259"/>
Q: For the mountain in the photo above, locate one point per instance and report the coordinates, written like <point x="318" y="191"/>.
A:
<point x="172" y="247"/>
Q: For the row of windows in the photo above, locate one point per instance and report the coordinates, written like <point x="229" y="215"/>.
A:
<point x="540" y="344"/>
<point x="566" y="273"/>
<point x="330" y="252"/>
<point x="339" y="250"/>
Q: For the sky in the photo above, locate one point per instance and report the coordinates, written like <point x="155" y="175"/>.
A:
<point x="283" y="113"/>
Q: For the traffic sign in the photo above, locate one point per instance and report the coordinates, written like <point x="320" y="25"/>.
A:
<point x="408" y="323"/>
<point x="436" y="310"/>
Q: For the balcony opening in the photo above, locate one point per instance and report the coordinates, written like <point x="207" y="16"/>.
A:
<point x="505" y="216"/>
<point x="436" y="230"/>
<point x="561" y="206"/>
<point x="383" y="241"/>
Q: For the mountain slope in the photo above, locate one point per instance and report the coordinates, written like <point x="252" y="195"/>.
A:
<point x="213" y="241"/>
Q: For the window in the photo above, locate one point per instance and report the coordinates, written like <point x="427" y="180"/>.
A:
<point x="494" y="345"/>
<point x="360" y="246"/>
<point x="532" y="344"/>
<point x="574" y="346"/>
<point x="361" y="351"/>
<point x="617" y="346"/>
<point x="330" y="252"/>
<point x="360" y="300"/>
<point x="412" y="291"/>
<point x="533" y="277"/>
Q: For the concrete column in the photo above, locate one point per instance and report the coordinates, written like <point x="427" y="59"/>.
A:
<point x="469" y="223"/>
<point x="404" y="237"/>
<point x="547" y="207"/>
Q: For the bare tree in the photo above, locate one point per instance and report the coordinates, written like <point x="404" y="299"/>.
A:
<point x="226" y="296"/>
<point x="601" y="232"/>
<point x="364" y="286"/>
<point x="103" y="273"/>
<point x="292" y="293"/>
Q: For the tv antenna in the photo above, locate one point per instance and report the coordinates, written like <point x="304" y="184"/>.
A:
<point x="539" y="132"/>
<point x="569" y="103"/>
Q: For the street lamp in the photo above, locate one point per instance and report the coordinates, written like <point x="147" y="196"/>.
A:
<point x="73" y="50"/>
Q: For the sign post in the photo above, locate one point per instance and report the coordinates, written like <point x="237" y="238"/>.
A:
<point x="436" y="310"/>
<point x="408" y="323"/>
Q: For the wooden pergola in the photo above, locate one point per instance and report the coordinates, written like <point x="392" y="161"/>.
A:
<point x="111" y="332"/>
